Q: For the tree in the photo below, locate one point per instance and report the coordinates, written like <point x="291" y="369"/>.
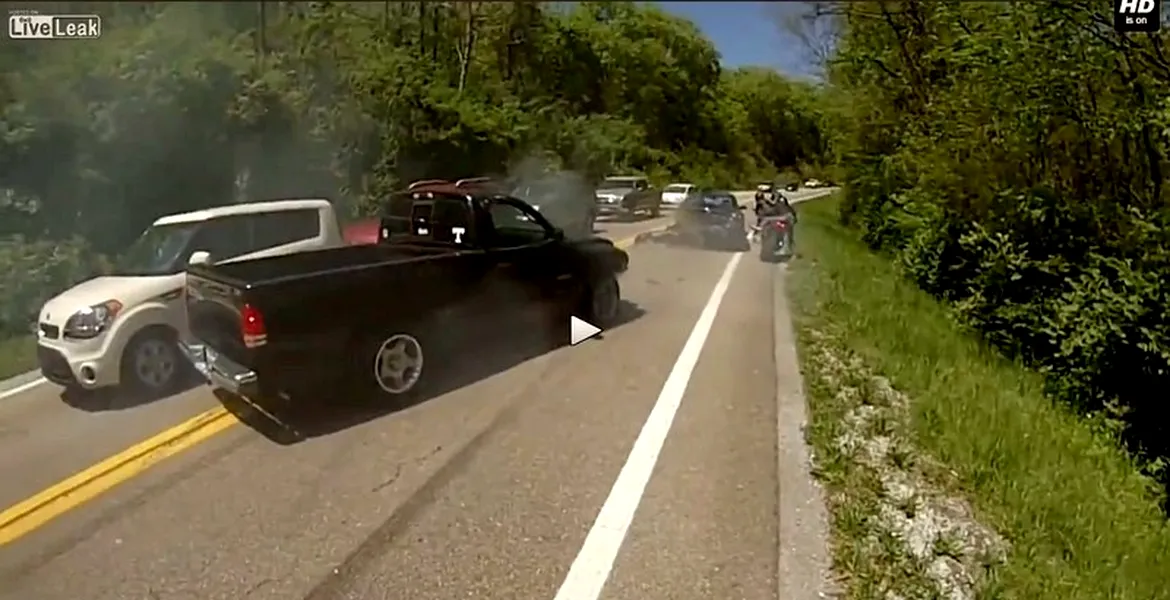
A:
<point x="183" y="106"/>
<point x="1013" y="157"/>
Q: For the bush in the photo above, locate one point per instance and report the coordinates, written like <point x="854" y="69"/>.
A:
<point x="31" y="270"/>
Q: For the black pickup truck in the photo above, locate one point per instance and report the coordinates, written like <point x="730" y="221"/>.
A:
<point x="453" y="270"/>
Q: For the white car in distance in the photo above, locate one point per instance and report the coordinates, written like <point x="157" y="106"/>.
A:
<point x="123" y="328"/>
<point x="675" y="193"/>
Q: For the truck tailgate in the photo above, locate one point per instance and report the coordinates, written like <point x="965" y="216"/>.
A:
<point x="214" y="315"/>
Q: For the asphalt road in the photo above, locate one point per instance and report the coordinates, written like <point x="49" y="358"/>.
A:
<point x="488" y="490"/>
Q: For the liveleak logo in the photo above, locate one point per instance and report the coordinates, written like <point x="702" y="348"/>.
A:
<point x="1137" y="15"/>
<point x="54" y="27"/>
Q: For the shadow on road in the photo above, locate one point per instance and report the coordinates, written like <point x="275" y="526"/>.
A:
<point x="634" y="218"/>
<point x="295" y="421"/>
<point x="778" y="260"/>
<point x="118" y="398"/>
<point x="681" y="239"/>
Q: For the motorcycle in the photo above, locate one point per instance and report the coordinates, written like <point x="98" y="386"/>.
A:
<point x="775" y="237"/>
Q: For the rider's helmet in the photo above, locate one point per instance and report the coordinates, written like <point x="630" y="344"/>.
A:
<point x="764" y="191"/>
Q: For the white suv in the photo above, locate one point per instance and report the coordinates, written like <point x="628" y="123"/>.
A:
<point x="675" y="193"/>
<point x="123" y="328"/>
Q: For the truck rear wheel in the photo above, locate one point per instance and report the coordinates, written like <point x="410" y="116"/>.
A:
<point x="391" y="365"/>
<point x="398" y="364"/>
<point x="603" y="300"/>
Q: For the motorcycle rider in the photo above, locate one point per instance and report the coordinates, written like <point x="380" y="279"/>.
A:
<point x="764" y="192"/>
<point x="776" y="205"/>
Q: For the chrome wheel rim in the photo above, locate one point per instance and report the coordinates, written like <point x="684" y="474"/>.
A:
<point x="398" y="364"/>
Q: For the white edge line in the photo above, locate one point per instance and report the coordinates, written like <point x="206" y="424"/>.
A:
<point x="591" y="568"/>
<point x="24" y="387"/>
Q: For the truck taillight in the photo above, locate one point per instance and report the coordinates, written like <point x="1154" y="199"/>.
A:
<point x="252" y="327"/>
<point x="780" y="225"/>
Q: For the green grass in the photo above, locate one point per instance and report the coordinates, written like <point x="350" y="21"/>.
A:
<point x="1082" y="523"/>
<point x="17" y="355"/>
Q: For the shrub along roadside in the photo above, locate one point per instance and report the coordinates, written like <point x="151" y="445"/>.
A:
<point x="1080" y="519"/>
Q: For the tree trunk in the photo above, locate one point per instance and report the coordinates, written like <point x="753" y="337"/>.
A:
<point x="468" y="48"/>
<point x="435" y="32"/>
<point x="422" y="29"/>
<point x="261" y="43"/>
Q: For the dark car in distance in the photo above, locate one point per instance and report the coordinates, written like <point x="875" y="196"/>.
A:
<point x="453" y="270"/>
<point x="712" y="218"/>
<point x="627" y="196"/>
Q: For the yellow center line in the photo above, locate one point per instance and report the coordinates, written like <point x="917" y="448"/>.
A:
<point x="31" y="514"/>
<point x="28" y="515"/>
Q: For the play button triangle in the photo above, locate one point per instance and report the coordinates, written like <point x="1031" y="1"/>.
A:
<point x="581" y="330"/>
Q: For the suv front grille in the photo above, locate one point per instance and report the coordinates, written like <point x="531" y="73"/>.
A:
<point x="51" y="332"/>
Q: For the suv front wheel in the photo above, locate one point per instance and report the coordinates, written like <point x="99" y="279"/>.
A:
<point x="151" y="363"/>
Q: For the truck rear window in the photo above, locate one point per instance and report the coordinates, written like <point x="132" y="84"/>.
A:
<point x="438" y="219"/>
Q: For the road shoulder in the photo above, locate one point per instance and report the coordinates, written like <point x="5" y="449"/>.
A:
<point x="804" y="558"/>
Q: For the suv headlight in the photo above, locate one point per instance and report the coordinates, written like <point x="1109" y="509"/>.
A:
<point x="91" y="321"/>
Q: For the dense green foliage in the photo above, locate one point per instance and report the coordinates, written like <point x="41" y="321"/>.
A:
<point x="1013" y="156"/>
<point x="180" y="106"/>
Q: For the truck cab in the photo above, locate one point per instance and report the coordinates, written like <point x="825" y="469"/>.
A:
<point x="121" y="328"/>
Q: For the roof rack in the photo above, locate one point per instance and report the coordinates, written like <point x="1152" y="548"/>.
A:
<point x="423" y="182"/>
<point x="463" y="182"/>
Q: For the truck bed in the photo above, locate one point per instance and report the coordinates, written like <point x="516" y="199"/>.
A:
<point x="252" y="273"/>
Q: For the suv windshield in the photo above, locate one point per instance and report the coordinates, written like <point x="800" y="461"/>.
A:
<point x="161" y="250"/>
<point x="618" y="182"/>
<point x="719" y="202"/>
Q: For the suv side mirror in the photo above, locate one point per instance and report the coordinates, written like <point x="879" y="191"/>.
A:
<point x="199" y="257"/>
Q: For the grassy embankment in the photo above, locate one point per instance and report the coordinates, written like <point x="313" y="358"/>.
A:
<point x="922" y="435"/>
<point x="17" y="355"/>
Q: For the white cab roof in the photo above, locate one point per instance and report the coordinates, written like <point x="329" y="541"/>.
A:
<point x="242" y="209"/>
